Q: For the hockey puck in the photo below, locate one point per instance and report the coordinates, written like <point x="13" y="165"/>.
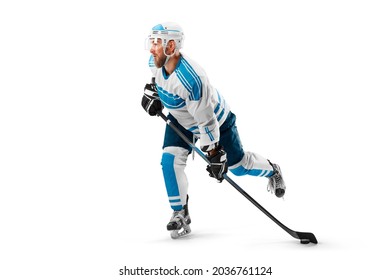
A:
<point x="305" y="241"/>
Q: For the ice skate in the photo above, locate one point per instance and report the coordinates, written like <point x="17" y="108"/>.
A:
<point x="179" y="225"/>
<point x="276" y="183"/>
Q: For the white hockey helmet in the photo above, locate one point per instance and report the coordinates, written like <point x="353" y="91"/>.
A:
<point x="166" y="31"/>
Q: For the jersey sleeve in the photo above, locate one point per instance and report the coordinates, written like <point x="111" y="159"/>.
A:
<point x="201" y="107"/>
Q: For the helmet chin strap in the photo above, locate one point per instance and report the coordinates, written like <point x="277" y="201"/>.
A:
<point x="168" y="56"/>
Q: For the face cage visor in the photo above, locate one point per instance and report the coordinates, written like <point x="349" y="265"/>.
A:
<point x="165" y="38"/>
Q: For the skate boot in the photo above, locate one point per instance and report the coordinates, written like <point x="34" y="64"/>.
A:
<point x="276" y="183"/>
<point x="179" y="225"/>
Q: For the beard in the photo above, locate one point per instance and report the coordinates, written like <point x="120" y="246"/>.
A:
<point x="159" y="61"/>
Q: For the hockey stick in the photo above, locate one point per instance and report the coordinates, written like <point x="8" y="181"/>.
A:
<point x="305" y="237"/>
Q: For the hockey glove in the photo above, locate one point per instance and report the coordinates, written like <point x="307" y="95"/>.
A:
<point x="218" y="164"/>
<point x="150" y="101"/>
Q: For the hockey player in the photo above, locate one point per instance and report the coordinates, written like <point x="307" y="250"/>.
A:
<point x="201" y="113"/>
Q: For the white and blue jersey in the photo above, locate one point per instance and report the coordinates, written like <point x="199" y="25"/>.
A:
<point x="191" y="99"/>
<point x="201" y="111"/>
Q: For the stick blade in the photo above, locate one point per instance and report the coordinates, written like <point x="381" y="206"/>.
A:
<point x="307" y="237"/>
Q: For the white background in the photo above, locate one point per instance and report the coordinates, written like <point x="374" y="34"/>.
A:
<point x="82" y="191"/>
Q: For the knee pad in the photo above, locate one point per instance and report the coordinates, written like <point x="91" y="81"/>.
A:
<point x="174" y="158"/>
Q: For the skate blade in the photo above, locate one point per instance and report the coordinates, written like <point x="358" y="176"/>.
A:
<point x="175" y="234"/>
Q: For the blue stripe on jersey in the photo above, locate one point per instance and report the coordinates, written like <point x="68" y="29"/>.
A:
<point x="192" y="129"/>
<point x="197" y="93"/>
<point x="170" y="101"/>
<point x="221" y="103"/>
<point x="221" y="100"/>
<point x="183" y="80"/>
<point x="190" y="79"/>
<point x="219" y="97"/>
<point x="217" y="108"/>
<point x="221" y="115"/>
<point x="209" y="134"/>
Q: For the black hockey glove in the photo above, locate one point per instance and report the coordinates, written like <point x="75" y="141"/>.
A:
<point x="150" y="101"/>
<point x="218" y="164"/>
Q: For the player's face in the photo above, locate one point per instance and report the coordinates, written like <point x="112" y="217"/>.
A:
<point x="157" y="50"/>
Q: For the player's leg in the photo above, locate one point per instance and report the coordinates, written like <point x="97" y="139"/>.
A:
<point x="248" y="163"/>
<point x="174" y="158"/>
